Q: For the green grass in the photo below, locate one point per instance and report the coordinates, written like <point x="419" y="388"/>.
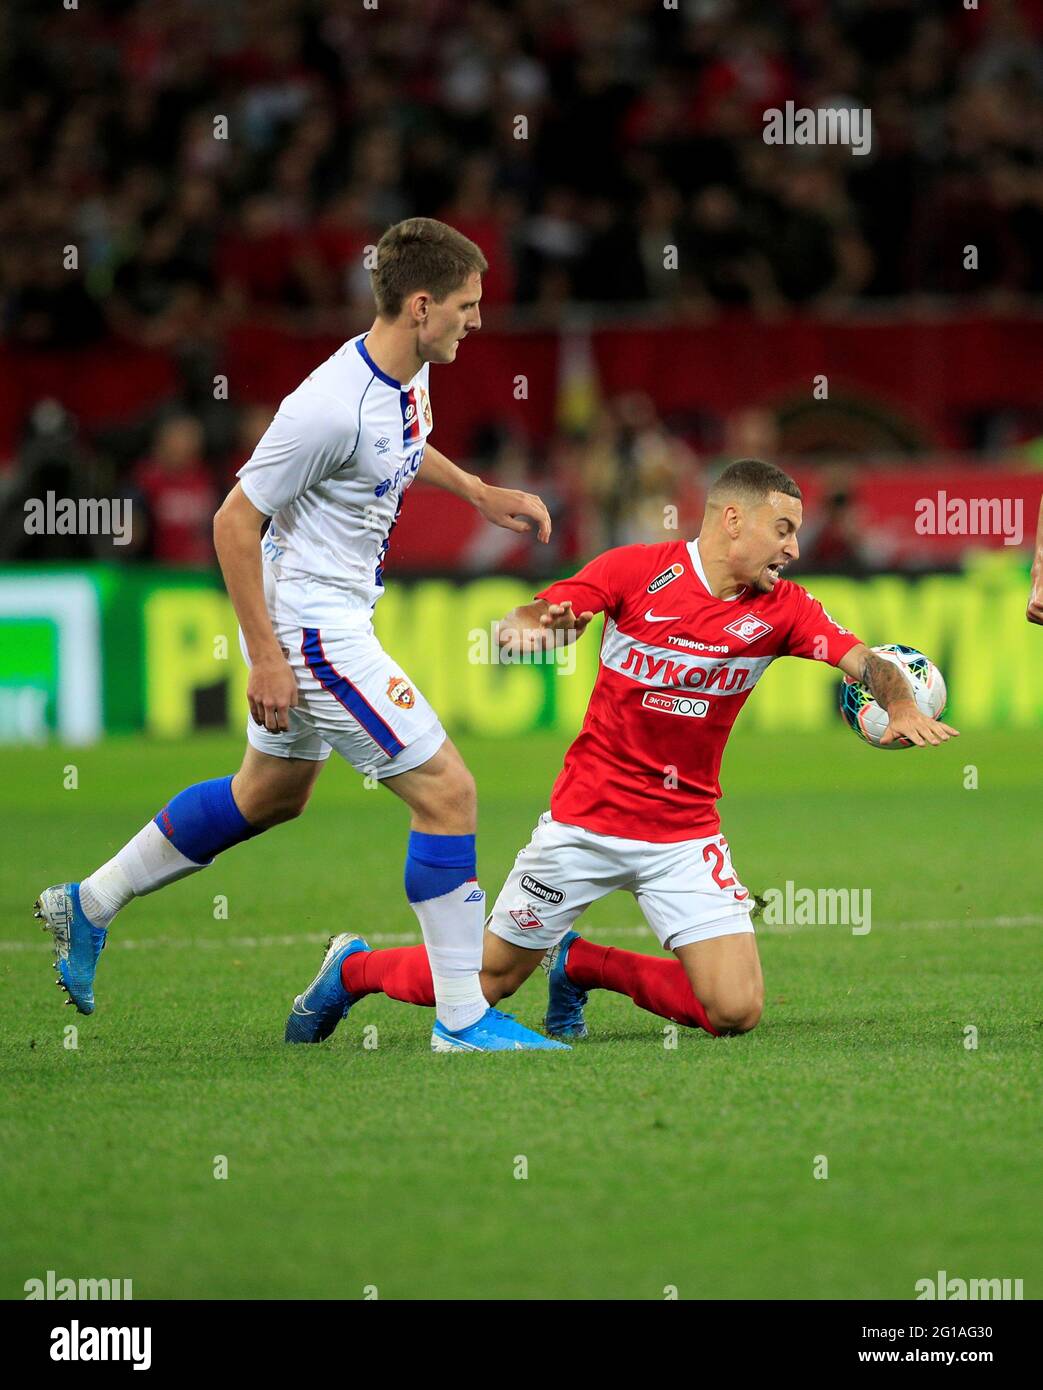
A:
<point x="647" y="1166"/>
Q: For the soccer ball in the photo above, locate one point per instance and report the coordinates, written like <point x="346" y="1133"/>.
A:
<point x="862" y="713"/>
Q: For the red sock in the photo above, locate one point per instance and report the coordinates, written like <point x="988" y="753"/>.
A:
<point x="658" y="985"/>
<point x="403" y="972"/>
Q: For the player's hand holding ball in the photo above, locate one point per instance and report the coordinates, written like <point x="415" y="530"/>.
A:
<point x="914" y="721"/>
<point x="907" y="725"/>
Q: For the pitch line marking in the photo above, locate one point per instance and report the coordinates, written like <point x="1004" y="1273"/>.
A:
<point x="207" y="943"/>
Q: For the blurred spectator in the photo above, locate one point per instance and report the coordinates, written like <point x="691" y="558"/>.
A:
<point x="53" y="460"/>
<point x="487" y="217"/>
<point x="815" y="249"/>
<point x="258" y="266"/>
<point x="661" y="476"/>
<point x="46" y="305"/>
<point x="752" y="433"/>
<point x="722" y="257"/>
<point x="636" y="480"/>
<point x="152" y="291"/>
<point x="832" y="537"/>
<point x="251" y="425"/>
<point x="179" y="494"/>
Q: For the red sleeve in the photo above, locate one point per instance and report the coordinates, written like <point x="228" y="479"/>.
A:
<point x="595" y="589"/>
<point x="814" y="634"/>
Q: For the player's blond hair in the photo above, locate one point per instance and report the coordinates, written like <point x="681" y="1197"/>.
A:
<point x="422" y="254"/>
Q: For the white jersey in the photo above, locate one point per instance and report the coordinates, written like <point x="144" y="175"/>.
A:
<point x="331" y="471"/>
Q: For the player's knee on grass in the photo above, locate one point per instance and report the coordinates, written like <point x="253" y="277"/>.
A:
<point x="737" y="1011"/>
<point x="724" y="974"/>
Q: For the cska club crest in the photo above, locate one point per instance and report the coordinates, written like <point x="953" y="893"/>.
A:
<point x="400" y="692"/>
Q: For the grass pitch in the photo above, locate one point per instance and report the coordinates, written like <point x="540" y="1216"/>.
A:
<point x="352" y="1169"/>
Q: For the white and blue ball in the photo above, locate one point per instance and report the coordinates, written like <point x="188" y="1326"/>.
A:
<point x="926" y="684"/>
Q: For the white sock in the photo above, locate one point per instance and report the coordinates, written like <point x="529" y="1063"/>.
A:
<point x="146" y="863"/>
<point x="453" y="929"/>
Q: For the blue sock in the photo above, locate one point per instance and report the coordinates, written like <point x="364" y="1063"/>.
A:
<point x="443" y="891"/>
<point x="203" y="820"/>
<point x="436" y="864"/>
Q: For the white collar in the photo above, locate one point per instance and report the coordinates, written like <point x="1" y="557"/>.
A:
<point x="697" y="565"/>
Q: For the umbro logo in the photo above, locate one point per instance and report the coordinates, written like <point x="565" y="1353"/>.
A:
<point x="382" y="445"/>
<point x="748" y="628"/>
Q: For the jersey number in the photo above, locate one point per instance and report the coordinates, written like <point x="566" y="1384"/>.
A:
<point x="715" y="853"/>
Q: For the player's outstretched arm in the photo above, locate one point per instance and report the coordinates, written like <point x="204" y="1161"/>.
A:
<point x="535" y="626"/>
<point x="272" y="687"/>
<point x="891" y="691"/>
<point x="503" y="506"/>
<point x="1034" y="612"/>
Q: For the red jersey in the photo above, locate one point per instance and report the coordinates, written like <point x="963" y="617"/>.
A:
<point x="182" y="507"/>
<point x="676" y="667"/>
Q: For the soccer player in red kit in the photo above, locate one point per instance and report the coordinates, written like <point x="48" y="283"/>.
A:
<point x="690" y="627"/>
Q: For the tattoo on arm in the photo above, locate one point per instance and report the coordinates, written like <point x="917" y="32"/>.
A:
<point x="885" y="681"/>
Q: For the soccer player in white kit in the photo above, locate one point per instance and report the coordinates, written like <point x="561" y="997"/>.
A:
<point x="331" y="474"/>
<point x="690" y="627"/>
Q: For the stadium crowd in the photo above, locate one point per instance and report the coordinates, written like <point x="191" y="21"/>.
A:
<point x="223" y="164"/>
<point x="643" y="130"/>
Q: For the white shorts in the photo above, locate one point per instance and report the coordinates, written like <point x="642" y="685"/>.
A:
<point x="352" y="697"/>
<point x="687" y="890"/>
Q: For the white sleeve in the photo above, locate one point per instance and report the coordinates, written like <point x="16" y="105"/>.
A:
<point x="306" y="442"/>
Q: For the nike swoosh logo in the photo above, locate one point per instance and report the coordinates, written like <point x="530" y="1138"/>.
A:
<point x="302" y="1011"/>
<point x="651" y="618"/>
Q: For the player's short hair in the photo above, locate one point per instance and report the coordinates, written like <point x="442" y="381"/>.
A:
<point x="752" y="481"/>
<point x="422" y="254"/>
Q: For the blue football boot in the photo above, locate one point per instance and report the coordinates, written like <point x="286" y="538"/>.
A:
<point x="565" y="1003"/>
<point x="77" y="942"/>
<point x="494" y="1032"/>
<point x="325" y="1002"/>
